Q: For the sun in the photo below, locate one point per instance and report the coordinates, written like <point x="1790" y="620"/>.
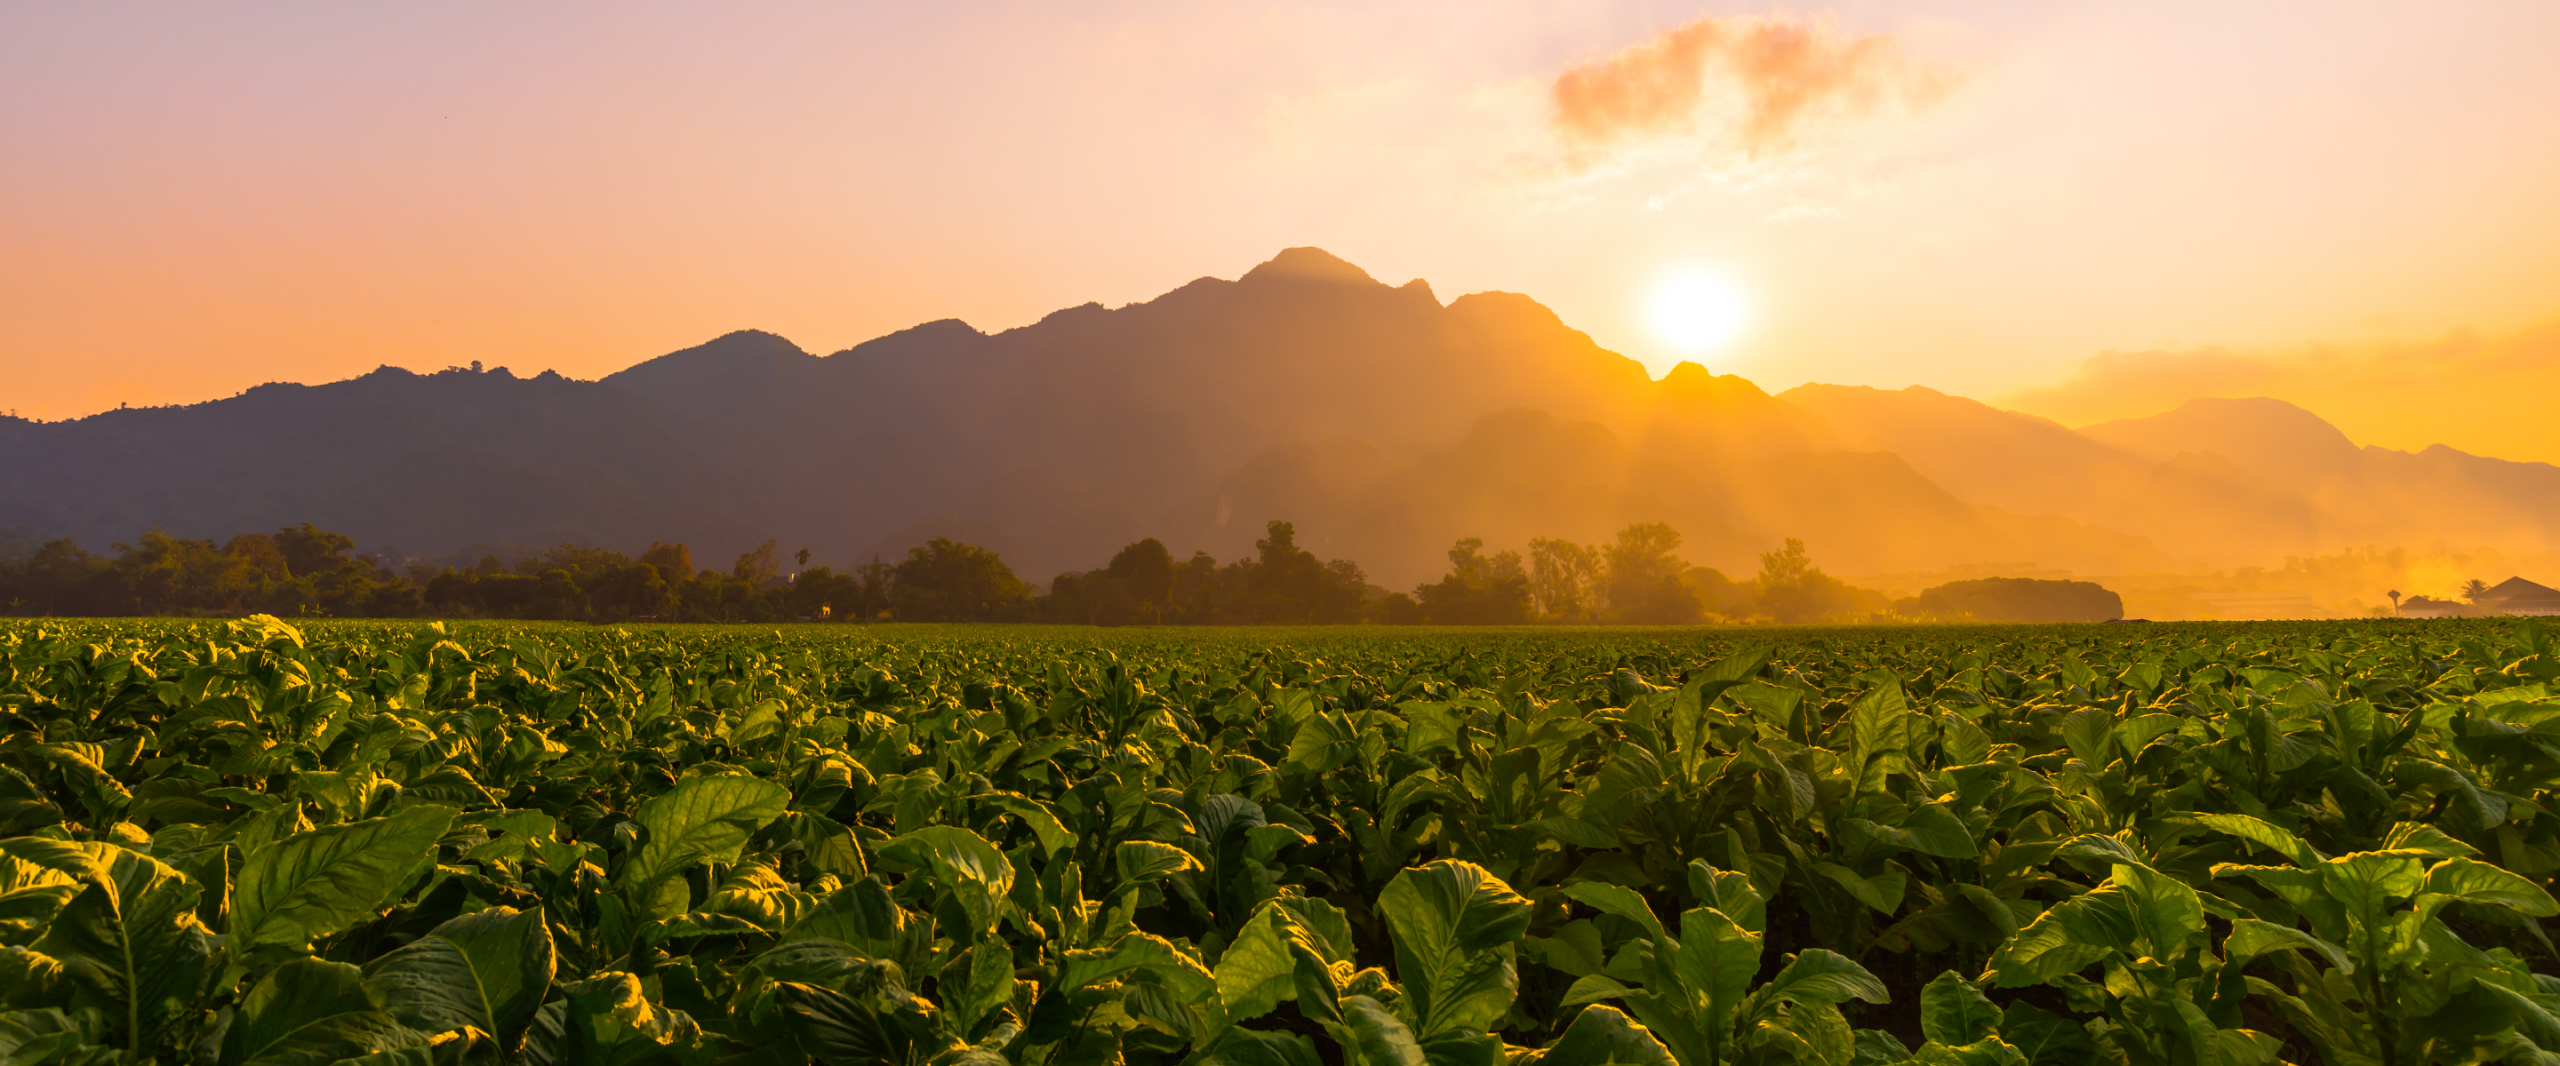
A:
<point x="1695" y="312"/>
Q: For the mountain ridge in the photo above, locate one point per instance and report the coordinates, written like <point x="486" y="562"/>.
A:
<point x="1383" y="421"/>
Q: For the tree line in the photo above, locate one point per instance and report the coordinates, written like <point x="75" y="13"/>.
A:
<point x="1636" y="578"/>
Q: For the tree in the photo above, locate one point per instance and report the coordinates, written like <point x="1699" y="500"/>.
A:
<point x="1147" y="569"/>
<point x="944" y="580"/>
<point x="259" y="553"/>
<point x="1644" y="577"/>
<point x="823" y="594"/>
<point x="1288" y="584"/>
<point x="1564" y="579"/>
<point x="635" y="590"/>
<point x="872" y="582"/>
<point x="1792" y="589"/>
<point x="674" y="562"/>
<point x="802" y="557"/>
<point x="2395" y="600"/>
<point x="58" y="578"/>
<point x="579" y="561"/>
<point x="2473" y="589"/>
<point x="309" y="550"/>
<point x="1478" y="590"/>
<point x="757" y="568"/>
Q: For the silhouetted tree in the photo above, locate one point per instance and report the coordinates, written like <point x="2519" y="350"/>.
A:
<point x="873" y="581"/>
<point x="1644" y="577"/>
<point x="946" y="581"/>
<point x="1564" y="579"/>
<point x="1288" y="584"/>
<point x="1792" y="589"/>
<point x="1478" y="590"/>
<point x="674" y="562"/>
<point x="757" y="568"/>
<point x="309" y="550"/>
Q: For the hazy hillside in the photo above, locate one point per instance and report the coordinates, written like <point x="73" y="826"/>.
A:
<point x="1384" y="422"/>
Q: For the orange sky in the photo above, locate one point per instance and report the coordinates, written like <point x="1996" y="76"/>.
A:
<point x="1979" y="197"/>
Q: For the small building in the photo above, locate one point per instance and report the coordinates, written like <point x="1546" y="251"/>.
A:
<point x="2516" y="595"/>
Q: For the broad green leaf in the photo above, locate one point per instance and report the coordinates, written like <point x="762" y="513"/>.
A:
<point x="1053" y="835"/>
<point x="2473" y="881"/>
<point x="964" y="863"/>
<point x="1238" y="1046"/>
<point x="1882" y="892"/>
<point x="607" y="1021"/>
<point x="2252" y="937"/>
<point x="1320" y="925"/>
<point x="2164" y="910"/>
<point x="1318" y="990"/>
<point x="313" y="884"/>
<point x="1593" y="988"/>
<point x="489" y="970"/>
<point x="1812" y="1032"/>
<point x="427" y="984"/>
<point x="1604" y="1036"/>
<point x="2258" y="831"/>
<point x="1881" y="724"/>
<point x="1952" y="1011"/>
<point x="861" y="914"/>
<point x="1875" y="1047"/>
<point x="973" y="988"/>
<point x="307" y="1010"/>
<point x="1141" y="861"/>
<point x="1378" y="1037"/>
<point x="1453" y="924"/>
<point x="1717" y="960"/>
<point x="2090" y="733"/>
<point x="1935" y="830"/>
<point x="1135" y="952"/>
<point x="2367" y="884"/>
<point x="1989" y="1051"/>
<point x="701" y="819"/>
<point x="1962" y="741"/>
<point x="1255" y="972"/>
<point x="129" y="942"/>
<point x="1621" y="901"/>
<point x="1728" y="891"/>
<point x="2136" y="733"/>
<point x="1822" y="976"/>
<point x="2046" y="1039"/>
<point x="2047" y="948"/>
<point x="2306" y="890"/>
<point x="2426" y="840"/>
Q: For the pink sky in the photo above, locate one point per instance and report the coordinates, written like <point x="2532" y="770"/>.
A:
<point x="1977" y="197"/>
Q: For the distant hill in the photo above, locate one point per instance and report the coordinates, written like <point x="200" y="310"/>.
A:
<point x="1384" y="422"/>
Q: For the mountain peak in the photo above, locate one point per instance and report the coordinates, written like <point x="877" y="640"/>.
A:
<point x="1308" y="264"/>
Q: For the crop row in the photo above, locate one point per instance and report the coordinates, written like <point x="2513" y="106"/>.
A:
<point x="247" y="844"/>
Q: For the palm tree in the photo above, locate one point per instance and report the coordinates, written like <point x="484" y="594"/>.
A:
<point x="2395" y="600"/>
<point x="2474" y="589"/>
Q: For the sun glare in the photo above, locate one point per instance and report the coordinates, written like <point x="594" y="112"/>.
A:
<point x="1696" y="312"/>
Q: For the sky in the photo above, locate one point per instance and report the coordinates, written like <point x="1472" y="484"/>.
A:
<point x="2086" y="211"/>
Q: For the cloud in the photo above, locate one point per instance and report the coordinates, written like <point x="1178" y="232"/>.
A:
<point x="2488" y="396"/>
<point x="1753" y="85"/>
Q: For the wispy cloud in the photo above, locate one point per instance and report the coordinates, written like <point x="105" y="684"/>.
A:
<point x="1747" y="86"/>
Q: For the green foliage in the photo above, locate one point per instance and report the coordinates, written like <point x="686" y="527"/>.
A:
<point x="2188" y="846"/>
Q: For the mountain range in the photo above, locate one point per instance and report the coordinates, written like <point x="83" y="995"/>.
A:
<point x="1385" y="423"/>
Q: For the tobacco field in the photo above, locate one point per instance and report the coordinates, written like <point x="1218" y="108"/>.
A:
<point x="250" y="843"/>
